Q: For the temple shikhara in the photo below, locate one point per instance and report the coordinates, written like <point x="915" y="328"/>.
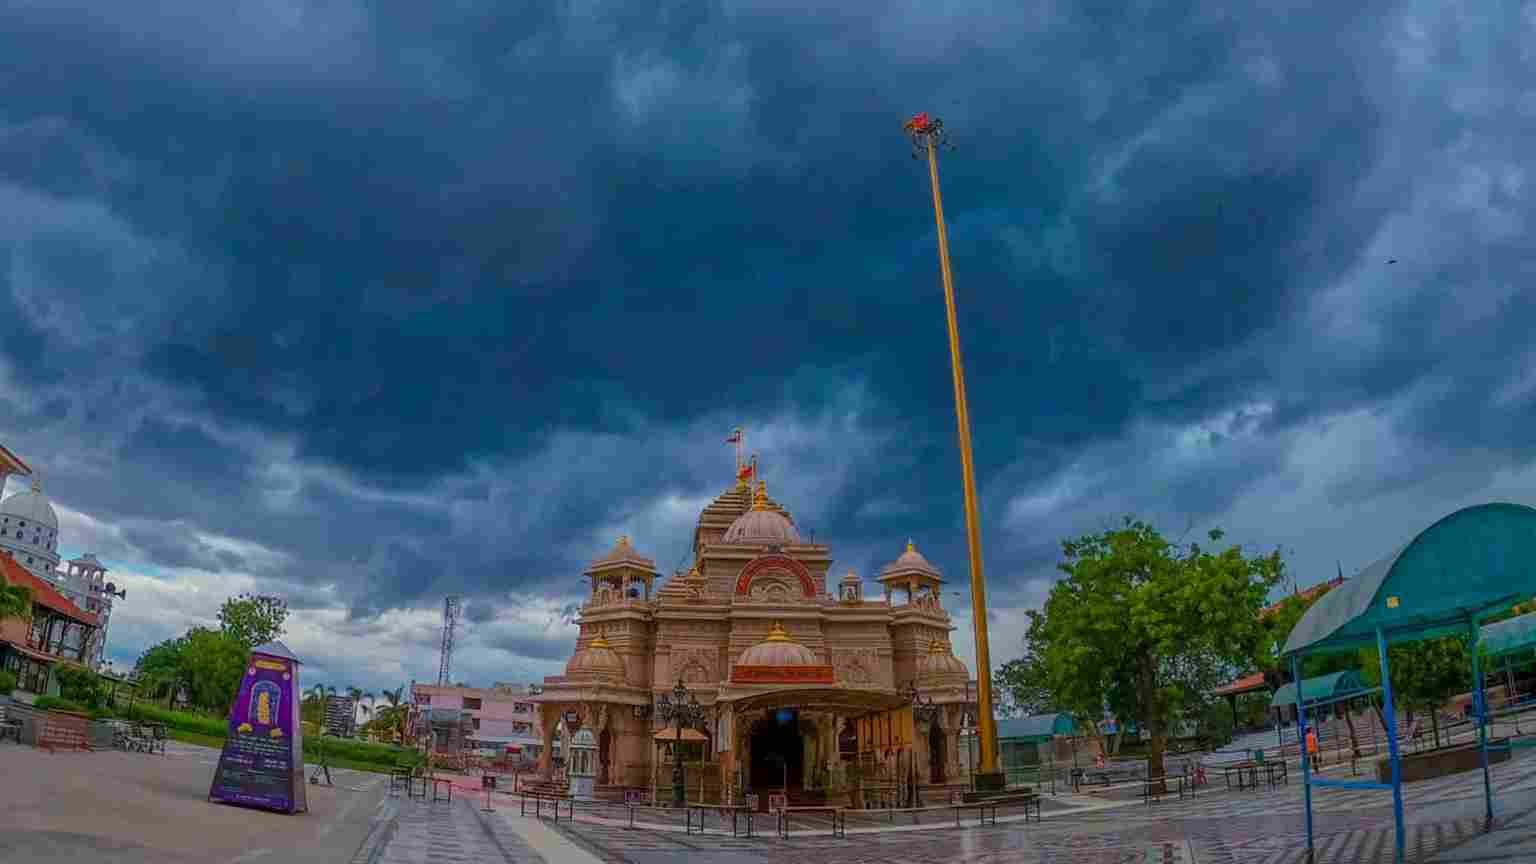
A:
<point x="805" y="683"/>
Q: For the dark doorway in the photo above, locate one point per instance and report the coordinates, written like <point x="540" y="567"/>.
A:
<point x="778" y="753"/>
<point x="936" y="755"/>
<point x="848" y="742"/>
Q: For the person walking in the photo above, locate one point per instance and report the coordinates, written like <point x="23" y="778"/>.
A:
<point x="1312" y="751"/>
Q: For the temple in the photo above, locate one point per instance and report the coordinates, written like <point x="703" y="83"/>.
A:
<point x="805" y="685"/>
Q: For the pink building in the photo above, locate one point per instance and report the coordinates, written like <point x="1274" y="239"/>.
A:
<point x="501" y="717"/>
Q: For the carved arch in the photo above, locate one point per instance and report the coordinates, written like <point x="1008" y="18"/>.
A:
<point x="775" y="562"/>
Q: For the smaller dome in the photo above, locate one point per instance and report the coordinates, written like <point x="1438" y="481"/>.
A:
<point x="622" y="554"/>
<point x="777" y="649"/>
<point x="940" y="663"/>
<point x="911" y="561"/>
<point x="597" y="660"/>
<point x="762" y="524"/>
<point x="32" y="506"/>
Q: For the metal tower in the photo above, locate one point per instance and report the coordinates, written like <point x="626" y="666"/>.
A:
<point x="450" y="618"/>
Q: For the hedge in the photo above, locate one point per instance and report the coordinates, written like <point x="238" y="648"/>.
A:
<point x="383" y="755"/>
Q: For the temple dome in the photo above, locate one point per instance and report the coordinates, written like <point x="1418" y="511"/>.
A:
<point x="33" y="506"/>
<point x="762" y="524"/>
<point x="911" y="562"/>
<point x="939" y="664"/>
<point x="597" y="660"/>
<point x="777" y="649"/>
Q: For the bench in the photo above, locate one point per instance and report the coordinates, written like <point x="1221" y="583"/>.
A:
<point x="736" y="811"/>
<point x="9" y="727"/>
<point x="990" y="805"/>
<point x="538" y="804"/>
<point x="839" y="821"/>
<point x="1154" y="788"/>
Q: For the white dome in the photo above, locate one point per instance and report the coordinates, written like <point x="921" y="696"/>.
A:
<point x="32" y="506"/>
<point x="762" y="524"/>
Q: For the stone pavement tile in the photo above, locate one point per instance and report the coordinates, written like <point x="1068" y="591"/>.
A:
<point x="443" y="832"/>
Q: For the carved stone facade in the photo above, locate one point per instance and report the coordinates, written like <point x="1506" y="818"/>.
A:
<point x="753" y="633"/>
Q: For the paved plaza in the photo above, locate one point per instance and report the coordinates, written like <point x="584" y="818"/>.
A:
<point x="153" y="809"/>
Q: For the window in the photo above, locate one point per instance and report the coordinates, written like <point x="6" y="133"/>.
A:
<point x="477" y="724"/>
<point x="522" y="708"/>
<point x="472" y="704"/>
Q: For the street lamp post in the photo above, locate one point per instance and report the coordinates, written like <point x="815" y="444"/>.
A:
<point x="924" y="713"/>
<point x="683" y="709"/>
<point x="927" y="134"/>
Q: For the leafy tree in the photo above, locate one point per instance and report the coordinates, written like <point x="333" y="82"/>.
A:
<point x="1425" y="674"/>
<point x="213" y="663"/>
<point x="159" y="668"/>
<point x="1146" y="627"/>
<point x="1022" y="686"/>
<point x="80" y="686"/>
<point x="253" y="619"/>
<point x="15" y="601"/>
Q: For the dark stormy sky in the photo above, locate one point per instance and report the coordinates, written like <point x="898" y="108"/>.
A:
<point x="367" y="302"/>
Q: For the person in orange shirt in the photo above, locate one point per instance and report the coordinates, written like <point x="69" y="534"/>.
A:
<point x="1312" y="752"/>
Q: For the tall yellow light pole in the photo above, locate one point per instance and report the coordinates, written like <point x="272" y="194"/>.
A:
<point x="927" y="137"/>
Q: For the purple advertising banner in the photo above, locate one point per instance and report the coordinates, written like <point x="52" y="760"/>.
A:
<point x="262" y="762"/>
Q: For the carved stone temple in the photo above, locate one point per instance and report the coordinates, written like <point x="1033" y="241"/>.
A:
<point x="805" y="683"/>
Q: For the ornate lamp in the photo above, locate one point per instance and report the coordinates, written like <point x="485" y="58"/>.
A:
<point x="683" y="709"/>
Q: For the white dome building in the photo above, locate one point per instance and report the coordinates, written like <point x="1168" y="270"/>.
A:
<point x="29" y="535"/>
<point x="29" y="530"/>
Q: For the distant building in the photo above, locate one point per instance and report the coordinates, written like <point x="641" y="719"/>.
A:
<point x="501" y="719"/>
<point x="29" y="535"/>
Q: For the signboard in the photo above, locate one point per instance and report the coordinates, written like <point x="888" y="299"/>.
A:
<point x="633" y="796"/>
<point x="777" y="801"/>
<point x="752" y="802"/>
<point x="262" y="765"/>
<point x="487" y="781"/>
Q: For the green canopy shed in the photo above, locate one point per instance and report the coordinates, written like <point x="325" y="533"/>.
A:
<point x="1322" y="689"/>
<point x="1476" y="562"/>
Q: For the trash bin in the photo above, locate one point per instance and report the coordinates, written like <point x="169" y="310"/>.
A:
<point x="1258" y="756"/>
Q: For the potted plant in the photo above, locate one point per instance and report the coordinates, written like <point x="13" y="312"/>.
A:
<point x="7" y="684"/>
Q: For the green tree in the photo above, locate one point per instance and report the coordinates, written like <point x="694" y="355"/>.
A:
<point x="15" y="601"/>
<point x="253" y="619"/>
<point x="1146" y="627"/>
<point x="213" y="662"/>
<point x="159" y="668"/>
<point x="1022" y="687"/>
<point x="1425" y="674"/>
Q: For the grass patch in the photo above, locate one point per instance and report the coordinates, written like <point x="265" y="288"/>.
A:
<point x="195" y="738"/>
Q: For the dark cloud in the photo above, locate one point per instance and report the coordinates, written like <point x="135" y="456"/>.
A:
<point x="377" y="302"/>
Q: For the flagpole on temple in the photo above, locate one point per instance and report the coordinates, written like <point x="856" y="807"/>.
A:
<point x="927" y="137"/>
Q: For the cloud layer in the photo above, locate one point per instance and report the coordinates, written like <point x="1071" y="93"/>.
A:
<point x="365" y="303"/>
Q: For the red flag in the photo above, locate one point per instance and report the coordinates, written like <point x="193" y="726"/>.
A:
<point x="918" y="123"/>
<point x="745" y="473"/>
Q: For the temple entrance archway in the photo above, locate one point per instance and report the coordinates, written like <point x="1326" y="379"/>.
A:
<point x="937" y="755"/>
<point x="778" y="753"/>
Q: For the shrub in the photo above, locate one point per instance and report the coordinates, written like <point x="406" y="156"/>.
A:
<point x="7" y="682"/>
<point x="184" y="721"/>
<point x="80" y="686"/>
<point x="54" y="703"/>
<point x="382" y="755"/>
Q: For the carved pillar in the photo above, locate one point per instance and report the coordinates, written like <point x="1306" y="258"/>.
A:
<point x="548" y="717"/>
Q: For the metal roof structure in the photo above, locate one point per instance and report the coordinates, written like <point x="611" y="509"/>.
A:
<point x="1509" y="635"/>
<point x="1040" y="727"/>
<point x="1323" y="688"/>
<point x="1476" y="561"/>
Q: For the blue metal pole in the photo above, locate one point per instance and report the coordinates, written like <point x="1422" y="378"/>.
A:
<point x="1480" y="708"/>
<point x="1301" y="747"/>
<point x="1390" y="709"/>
